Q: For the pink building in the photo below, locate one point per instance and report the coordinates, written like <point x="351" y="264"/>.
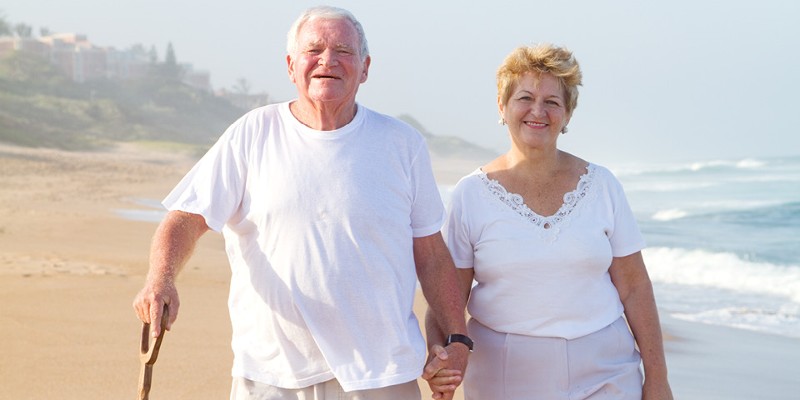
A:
<point x="28" y="45"/>
<point x="82" y="61"/>
<point x="76" y="56"/>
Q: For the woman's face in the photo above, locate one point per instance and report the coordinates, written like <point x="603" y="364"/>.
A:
<point x="536" y="111"/>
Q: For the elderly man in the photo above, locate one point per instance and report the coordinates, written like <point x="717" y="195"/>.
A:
<point x="330" y="213"/>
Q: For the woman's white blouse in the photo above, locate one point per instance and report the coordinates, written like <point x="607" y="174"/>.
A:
<point x="542" y="275"/>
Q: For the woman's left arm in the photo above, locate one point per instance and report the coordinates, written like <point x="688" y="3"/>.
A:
<point x="629" y="275"/>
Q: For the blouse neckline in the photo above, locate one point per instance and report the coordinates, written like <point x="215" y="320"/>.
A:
<point x="547" y="223"/>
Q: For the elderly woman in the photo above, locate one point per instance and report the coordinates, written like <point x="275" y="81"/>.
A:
<point x="555" y="252"/>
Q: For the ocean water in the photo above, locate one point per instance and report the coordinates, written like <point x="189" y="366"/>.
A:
<point x="723" y="239"/>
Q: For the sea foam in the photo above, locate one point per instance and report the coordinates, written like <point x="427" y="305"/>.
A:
<point x="722" y="271"/>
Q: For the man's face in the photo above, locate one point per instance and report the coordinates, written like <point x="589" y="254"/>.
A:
<point x="327" y="65"/>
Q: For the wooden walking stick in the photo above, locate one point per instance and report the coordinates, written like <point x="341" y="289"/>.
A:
<point x="148" y="355"/>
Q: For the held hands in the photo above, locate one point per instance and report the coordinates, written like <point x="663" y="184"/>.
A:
<point x="445" y="369"/>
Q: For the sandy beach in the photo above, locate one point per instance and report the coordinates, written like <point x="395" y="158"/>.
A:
<point x="70" y="265"/>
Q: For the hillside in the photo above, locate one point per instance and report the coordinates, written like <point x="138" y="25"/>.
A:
<point x="40" y="107"/>
<point x="450" y="146"/>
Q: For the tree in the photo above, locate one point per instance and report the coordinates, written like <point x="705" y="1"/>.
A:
<point x="169" y="57"/>
<point x="153" y="55"/>
<point x="44" y="31"/>
<point x="5" y="26"/>
<point x="242" y="86"/>
<point x="23" y="30"/>
<point x="170" y="69"/>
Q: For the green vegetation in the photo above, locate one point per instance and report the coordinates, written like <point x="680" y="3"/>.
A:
<point x="5" y="26"/>
<point x="40" y="107"/>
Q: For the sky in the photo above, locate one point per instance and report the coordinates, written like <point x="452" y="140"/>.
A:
<point x="676" y="81"/>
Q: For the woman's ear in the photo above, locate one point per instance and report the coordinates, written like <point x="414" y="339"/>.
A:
<point x="501" y="109"/>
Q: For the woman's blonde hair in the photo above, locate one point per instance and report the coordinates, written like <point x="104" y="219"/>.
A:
<point x="541" y="58"/>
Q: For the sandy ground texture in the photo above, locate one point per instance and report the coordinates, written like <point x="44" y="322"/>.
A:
<point x="70" y="265"/>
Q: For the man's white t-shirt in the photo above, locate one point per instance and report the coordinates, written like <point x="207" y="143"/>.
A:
<point x="536" y="275"/>
<point x="319" y="229"/>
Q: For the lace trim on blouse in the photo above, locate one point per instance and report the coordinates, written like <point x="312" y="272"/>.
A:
<point x="550" y="226"/>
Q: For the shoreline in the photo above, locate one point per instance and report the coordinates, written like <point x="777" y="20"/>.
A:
<point x="708" y="362"/>
<point x="70" y="266"/>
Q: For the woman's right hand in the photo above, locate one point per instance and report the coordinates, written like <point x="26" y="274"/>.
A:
<point x="441" y="380"/>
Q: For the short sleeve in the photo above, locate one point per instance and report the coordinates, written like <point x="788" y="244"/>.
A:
<point x="215" y="185"/>
<point x="456" y="230"/>
<point x="625" y="236"/>
<point x="427" y="213"/>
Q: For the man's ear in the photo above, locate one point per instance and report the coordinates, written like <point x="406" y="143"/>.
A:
<point x="290" y="67"/>
<point x="365" y="73"/>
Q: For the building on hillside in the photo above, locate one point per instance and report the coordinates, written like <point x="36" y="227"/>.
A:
<point x="195" y="78"/>
<point x="10" y="44"/>
<point x="83" y="61"/>
<point x="128" y="64"/>
<point x="77" y="57"/>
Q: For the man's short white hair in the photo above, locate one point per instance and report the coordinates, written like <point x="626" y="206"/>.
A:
<point x="325" y="12"/>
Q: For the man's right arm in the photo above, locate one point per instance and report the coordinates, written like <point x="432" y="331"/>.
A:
<point x="172" y="246"/>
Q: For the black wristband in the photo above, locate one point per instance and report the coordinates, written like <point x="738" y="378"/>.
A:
<point x="459" y="338"/>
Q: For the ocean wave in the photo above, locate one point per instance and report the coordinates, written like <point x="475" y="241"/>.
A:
<point x="669" y="215"/>
<point x="765" y="178"/>
<point x="723" y="271"/>
<point x="713" y="164"/>
<point x="769" y="212"/>
<point x="657" y="169"/>
<point x="747" y="163"/>
<point x="748" y="213"/>
<point x="742" y="164"/>
<point x="667" y="186"/>
<point x="783" y="321"/>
